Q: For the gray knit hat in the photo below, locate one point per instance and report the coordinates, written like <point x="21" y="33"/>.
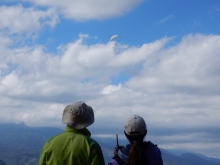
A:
<point x="78" y="115"/>
<point x="135" y="125"/>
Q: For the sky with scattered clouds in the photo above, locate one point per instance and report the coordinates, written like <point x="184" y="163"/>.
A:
<point x="164" y="67"/>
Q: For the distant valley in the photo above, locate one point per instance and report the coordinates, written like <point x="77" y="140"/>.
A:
<point x="21" y="145"/>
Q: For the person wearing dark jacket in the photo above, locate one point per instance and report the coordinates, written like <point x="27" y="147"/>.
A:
<point x="74" y="145"/>
<point x="138" y="151"/>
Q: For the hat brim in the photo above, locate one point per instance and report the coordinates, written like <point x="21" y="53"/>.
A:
<point x="79" y="125"/>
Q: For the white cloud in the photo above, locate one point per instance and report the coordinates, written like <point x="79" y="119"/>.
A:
<point x="93" y="9"/>
<point x="111" y="88"/>
<point x="177" y="76"/>
<point x="128" y="56"/>
<point x="167" y="18"/>
<point x="18" y="19"/>
<point x="189" y="67"/>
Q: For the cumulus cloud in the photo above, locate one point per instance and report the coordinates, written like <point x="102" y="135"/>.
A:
<point x="174" y="88"/>
<point x="189" y="67"/>
<point x="93" y="9"/>
<point x="110" y="88"/>
<point x="18" y="19"/>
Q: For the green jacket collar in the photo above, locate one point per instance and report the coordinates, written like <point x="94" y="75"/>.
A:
<point x="83" y="131"/>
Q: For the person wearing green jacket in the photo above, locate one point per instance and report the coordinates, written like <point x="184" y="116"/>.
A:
<point x="74" y="146"/>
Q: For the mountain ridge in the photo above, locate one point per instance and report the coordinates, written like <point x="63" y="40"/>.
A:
<point x="21" y="145"/>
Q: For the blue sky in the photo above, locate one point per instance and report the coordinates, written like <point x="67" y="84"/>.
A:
<point x="165" y="67"/>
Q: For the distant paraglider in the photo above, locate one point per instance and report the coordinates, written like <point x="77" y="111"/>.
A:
<point x="114" y="36"/>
